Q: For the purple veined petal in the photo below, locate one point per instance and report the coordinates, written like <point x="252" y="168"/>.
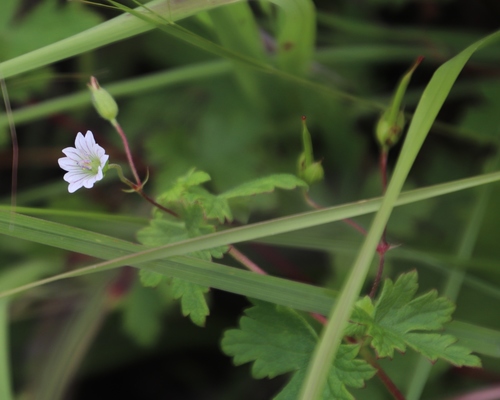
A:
<point x="89" y="183"/>
<point x="78" y="139"/>
<point x="84" y="162"/>
<point x="73" y="153"/>
<point x="66" y="163"/>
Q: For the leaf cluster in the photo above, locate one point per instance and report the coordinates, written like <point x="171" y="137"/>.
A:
<point x="397" y="320"/>
<point x="199" y="213"/>
<point x="278" y="340"/>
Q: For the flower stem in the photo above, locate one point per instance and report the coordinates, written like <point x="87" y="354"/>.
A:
<point x="138" y="189"/>
<point x="245" y="261"/>
<point x="250" y="265"/>
<point x="378" y="277"/>
<point x="383" y="169"/>
<point x="119" y="129"/>
<point x="347" y="221"/>
<point x="384" y="378"/>
<point x="141" y="193"/>
<point x="382" y="248"/>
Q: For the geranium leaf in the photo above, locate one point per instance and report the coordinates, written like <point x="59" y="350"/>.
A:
<point x="398" y="320"/>
<point x="278" y="340"/>
<point x="264" y="185"/>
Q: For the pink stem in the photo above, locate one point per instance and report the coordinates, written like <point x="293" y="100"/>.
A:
<point x="127" y="152"/>
<point x="244" y="260"/>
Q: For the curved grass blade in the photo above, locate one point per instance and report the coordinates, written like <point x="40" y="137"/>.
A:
<point x="119" y="28"/>
<point x="430" y="103"/>
<point x="144" y="84"/>
<point x="209" y="274"/>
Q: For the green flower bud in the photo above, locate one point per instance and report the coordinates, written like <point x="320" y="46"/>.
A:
<point x="391" y="123"/>
<point x="388" y="133"/>
<point x="103" y="102"/>
<point x="312" y="173"/>
<point x="301" y="164"/>
<point x="307" y="169"/>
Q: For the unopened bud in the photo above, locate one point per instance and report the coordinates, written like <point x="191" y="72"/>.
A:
<point x="103" y="102"/>
<point x="389" y="132"/>
<point x="309" y="171"/>
<point x="312" y="173"/>
<point x="391" y="123"/>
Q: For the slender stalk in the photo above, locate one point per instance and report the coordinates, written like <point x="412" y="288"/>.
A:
<point x="347" y="221"/>
<point x="119" y="129"/>
<point x="250" y="265"/>
<point x="141" y="193"/>
<point x="378" y="277"/>
<point x="382" y="248"/>
<point x="245" y="261"/>
<point x="384" y="378"/>
<point x="383" y="168"/>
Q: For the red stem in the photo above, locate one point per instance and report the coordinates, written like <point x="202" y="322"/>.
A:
<point x="384" y="378"/>
<point x="244" y="260"/>
<point x="127" y="152"/>
<point x="383" y="246"/>
<point x="378" y="277"/>
<point x="383" y="169"/>
<point x="154" y="203"/>
<point x="347" y="221"/>
<point x="250" y="265"/>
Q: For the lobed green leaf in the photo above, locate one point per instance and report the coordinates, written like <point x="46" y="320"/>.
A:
<point x="193" y="302"/>
<point x="264" y="185"/>
<point x="398" y="320"/>
<point x="278" y="340"/>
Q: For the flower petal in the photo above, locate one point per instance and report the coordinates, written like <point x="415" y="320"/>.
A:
<point x="84" y="162"/>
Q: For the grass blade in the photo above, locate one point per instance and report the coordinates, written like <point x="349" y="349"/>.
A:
<point x="430" y="103"/>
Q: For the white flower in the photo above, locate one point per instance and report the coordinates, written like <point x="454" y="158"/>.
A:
<point x="83" y="163"/>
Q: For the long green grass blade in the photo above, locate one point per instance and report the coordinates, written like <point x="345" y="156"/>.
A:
<point x="431" y="102"/>
<point x="245" y="61"/>
<point x="132" y="87"/>
<point x="210" y="274"/>
<point x="11" y="277"/>
<point x="5" y="378"/>
<point x="457" y="275"/>
<point x="74" y="339"/>
<point x="119" y="28"/>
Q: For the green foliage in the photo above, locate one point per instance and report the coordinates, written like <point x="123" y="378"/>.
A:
<point x="397" y="319"/>
<point x="195" y="207"/>
<point x="279" y="340"/>
<point x="192" y="202"/>
<point x="391" y="123"/>
<point x="142" y="313"/>
<point x="265" y="185"/>
<point x="235" y="117"/>
<point x="160" y="232"/>
<point x="308" y="170"/>
<point x="193" y="301"/>
<point x="22" y="34"/>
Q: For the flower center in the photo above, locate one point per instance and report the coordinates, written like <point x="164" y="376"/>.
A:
<point x="90" y="165"/>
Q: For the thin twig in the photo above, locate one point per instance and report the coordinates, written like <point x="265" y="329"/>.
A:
<point x="384" y="378"/>
<point x="119" y="129"/>
<point x="245" y="261"/>
<point x="347" y="221"/>
<point x="141" y="193"/>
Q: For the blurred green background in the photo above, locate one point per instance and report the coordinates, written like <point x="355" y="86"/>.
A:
<point x="239" y="124"/>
